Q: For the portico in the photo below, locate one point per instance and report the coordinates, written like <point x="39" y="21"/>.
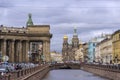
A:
<point x="16" y="42"/>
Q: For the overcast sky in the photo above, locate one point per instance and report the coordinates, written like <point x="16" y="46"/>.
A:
<point x="91" y="17"/>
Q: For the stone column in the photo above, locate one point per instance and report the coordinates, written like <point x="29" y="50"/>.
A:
<point x="4" y="47"/>
<point x="20" y="51"/>
<point x="13" y="51"/>
<point x="27" y="49"/>
<point x="46" y="50"/>
<point x="16" y="51"/>
<point x="24" y="51"/>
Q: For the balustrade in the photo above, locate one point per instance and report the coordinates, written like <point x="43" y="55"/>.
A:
<point x="104" y="67"/>
<point x="19" y="74"/>
<point x="41" y="70"/>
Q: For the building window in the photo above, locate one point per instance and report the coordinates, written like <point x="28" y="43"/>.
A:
<point x="93" y="44"/>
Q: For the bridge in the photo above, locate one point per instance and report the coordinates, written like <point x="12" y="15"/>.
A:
<point x="38" y="72"/>
<point x="65" y="66"/>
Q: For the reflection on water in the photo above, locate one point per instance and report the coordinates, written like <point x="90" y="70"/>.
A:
<point x="71" y="75"/>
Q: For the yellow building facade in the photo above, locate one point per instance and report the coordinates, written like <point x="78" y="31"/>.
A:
<point x="103" y="51"/>
<point x="116" y="46"/>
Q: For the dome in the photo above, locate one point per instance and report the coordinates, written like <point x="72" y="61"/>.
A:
<point x="65" y="36"/>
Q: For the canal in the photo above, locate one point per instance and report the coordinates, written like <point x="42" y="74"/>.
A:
<point x="71" y="75"/>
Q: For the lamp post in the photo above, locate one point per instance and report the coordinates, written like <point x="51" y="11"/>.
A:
<point x="29" y="55"/>
<point x="43" y="58"/>
<point x="40" y="56"/>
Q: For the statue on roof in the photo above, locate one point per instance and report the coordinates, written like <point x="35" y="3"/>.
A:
<point x="29" y="22"/>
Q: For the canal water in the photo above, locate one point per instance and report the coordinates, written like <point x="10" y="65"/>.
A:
<point x="65" y="74"/>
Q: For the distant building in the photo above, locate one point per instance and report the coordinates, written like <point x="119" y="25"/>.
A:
<point x="98" y="53"/>
<point x="85" y="51"/>
<point x="103" y="51"/>
<point x="68" y="50"/>
<point x="92" y="44"/>
<point x="56" y="57"/>
<point x="79" y="56"/>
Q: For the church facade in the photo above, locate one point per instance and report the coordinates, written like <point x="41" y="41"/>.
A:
<point x="68" y="49"/>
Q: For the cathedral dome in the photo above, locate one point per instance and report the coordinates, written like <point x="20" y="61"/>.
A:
<point x="65" y="36"/>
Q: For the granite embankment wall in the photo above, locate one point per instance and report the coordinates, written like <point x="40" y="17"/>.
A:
<point x="109" y="71"/>
<point x="37" y="75"/>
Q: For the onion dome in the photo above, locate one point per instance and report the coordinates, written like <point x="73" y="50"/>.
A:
<point x="65" y="37"/>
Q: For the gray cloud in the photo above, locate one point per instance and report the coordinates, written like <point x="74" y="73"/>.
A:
<point x="91" y="17"/>
<point x="6" y="4"/>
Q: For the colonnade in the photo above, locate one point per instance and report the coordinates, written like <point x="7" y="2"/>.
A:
<point x="17" y="50"/>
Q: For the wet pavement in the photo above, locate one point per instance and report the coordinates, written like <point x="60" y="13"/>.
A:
<point x="71" y="75"/>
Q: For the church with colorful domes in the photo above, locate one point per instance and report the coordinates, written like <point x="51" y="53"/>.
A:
<point x="69" y="48"/>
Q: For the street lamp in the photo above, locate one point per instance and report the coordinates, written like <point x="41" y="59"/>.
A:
<point x="42" y="57"/>
<point x="29" y="55"/>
